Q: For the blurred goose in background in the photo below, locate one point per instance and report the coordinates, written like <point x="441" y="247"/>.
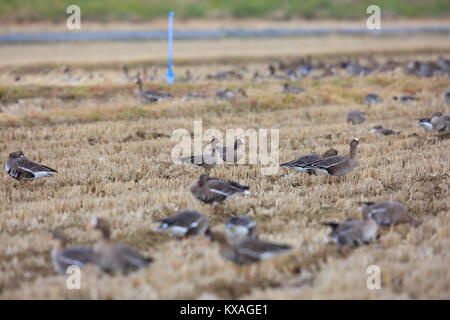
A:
<point x="353" y="232"/>
<point x="248" y="250"/>
<point x="20" y="168"/>
<point x="300" y="163"/>
<point x="149" y="96"/>
<point x="184" y="224"/>
<point x="385" y="132"/>
<point x="214" y="190"/>
<point x="231" y="153"/>
<point x="287" y="88"/>
<point x="337" y="165"/>
<point x="371" y="99"/>
<point x="355" y="117"/>
<point x="239" y="228"/>
<point x="64" y="257"/>
<point x="194" y="95"/>
<point x="126" y="73"/>
<point x="206" y="160"/>
<point x="387" y="213"/>
<point x="405" y="99"/>
<point x="447" y="97"/>
<point x="115" y="257"/>
<point x="225" y="75"/>
<point x="229" y="94"/>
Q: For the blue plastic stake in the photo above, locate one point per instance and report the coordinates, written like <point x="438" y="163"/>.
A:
<point x="170" y="76"/>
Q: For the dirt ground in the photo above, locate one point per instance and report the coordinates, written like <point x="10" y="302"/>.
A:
<point x="113" y="158"/>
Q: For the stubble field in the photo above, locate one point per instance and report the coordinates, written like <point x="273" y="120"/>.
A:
<point x="113" y="158"/>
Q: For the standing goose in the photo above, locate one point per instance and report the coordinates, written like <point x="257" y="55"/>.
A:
<point x="20" y="168"/>
<point x="388" y="213"/>
<point x="337" y="165"/>
<point x="372" y="98"/>
<point x="114" y="257"/>
<point x="185" y="223"/>
<point x="355" y="117"/>
<point x="247" y="251"/>
<point x="300" y="163"/>
<point x="385" y="132"/>
<point x="353" y="232"/>
<point x="150" y="96"/>
<point x="214" y="190"/>
<point x="231" y="153"/>
<point x="64" y="257"/>
<point x="239" y="228"/>
<point x="207" y="161"/>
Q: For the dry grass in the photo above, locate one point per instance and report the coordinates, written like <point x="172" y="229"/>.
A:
<point x="111" y="164"/>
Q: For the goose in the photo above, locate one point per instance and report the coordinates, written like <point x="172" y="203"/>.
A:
<point x="353" y="232"/>
<point x="207" y="161"/>
<point x="387" y="213"/>
<point x="300" y="163"/>
<point x="385" y="132"/>
<point x="405" y="99"/>
<point x="231" y="153"/>
<point x="355" y="117"/>
<point x="229" y="94"/>
<point x="185" y="223"/>
<point x="447" y="97"/>
<point x="20" y="168"/>
<point x="214" y="190"/>
<point x="247" y="251"/>
<point x="425" y="123"/>
<point x="241" y="227"/>
<point x="291" y="89"/>
<point x="150" y="96"/>
<point x="440" y="122"/>
<point x="64" y="257"/>
<point x="115" y="257"/>
<point x="337" y="165"/>
<point x="372" y="98"/>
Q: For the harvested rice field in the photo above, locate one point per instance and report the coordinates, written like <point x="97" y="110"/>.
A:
<point x="77" y="112"/>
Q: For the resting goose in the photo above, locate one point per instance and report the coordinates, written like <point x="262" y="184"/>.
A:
<point x="247" y="251"/>
<point x="300" y="163"/>
<point x="64" y="257"/>
<point x="387" y="213"/>
<point x="185" y="223"/>
<point x="231" y="153"/>
<point x="405" y="99"/>
<point x="207" y="161"/>
<point x="114" y="257"/>
<point x="214" y="190"/>
<point x="239" y="228"/>
<point x="337" y="165"/>
<point x="385" y="132"/>
<point x="440" y="122"/>
<point x="352" y="232"/>
<point x="150" y="96"/>
<point x="20" y="168"/>
<point x="355" y="117"/>
<point x="291" y="89"/>
<point x="229" y="94"/>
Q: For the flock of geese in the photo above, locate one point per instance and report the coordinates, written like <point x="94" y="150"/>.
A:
<point x="241" y="243"/>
